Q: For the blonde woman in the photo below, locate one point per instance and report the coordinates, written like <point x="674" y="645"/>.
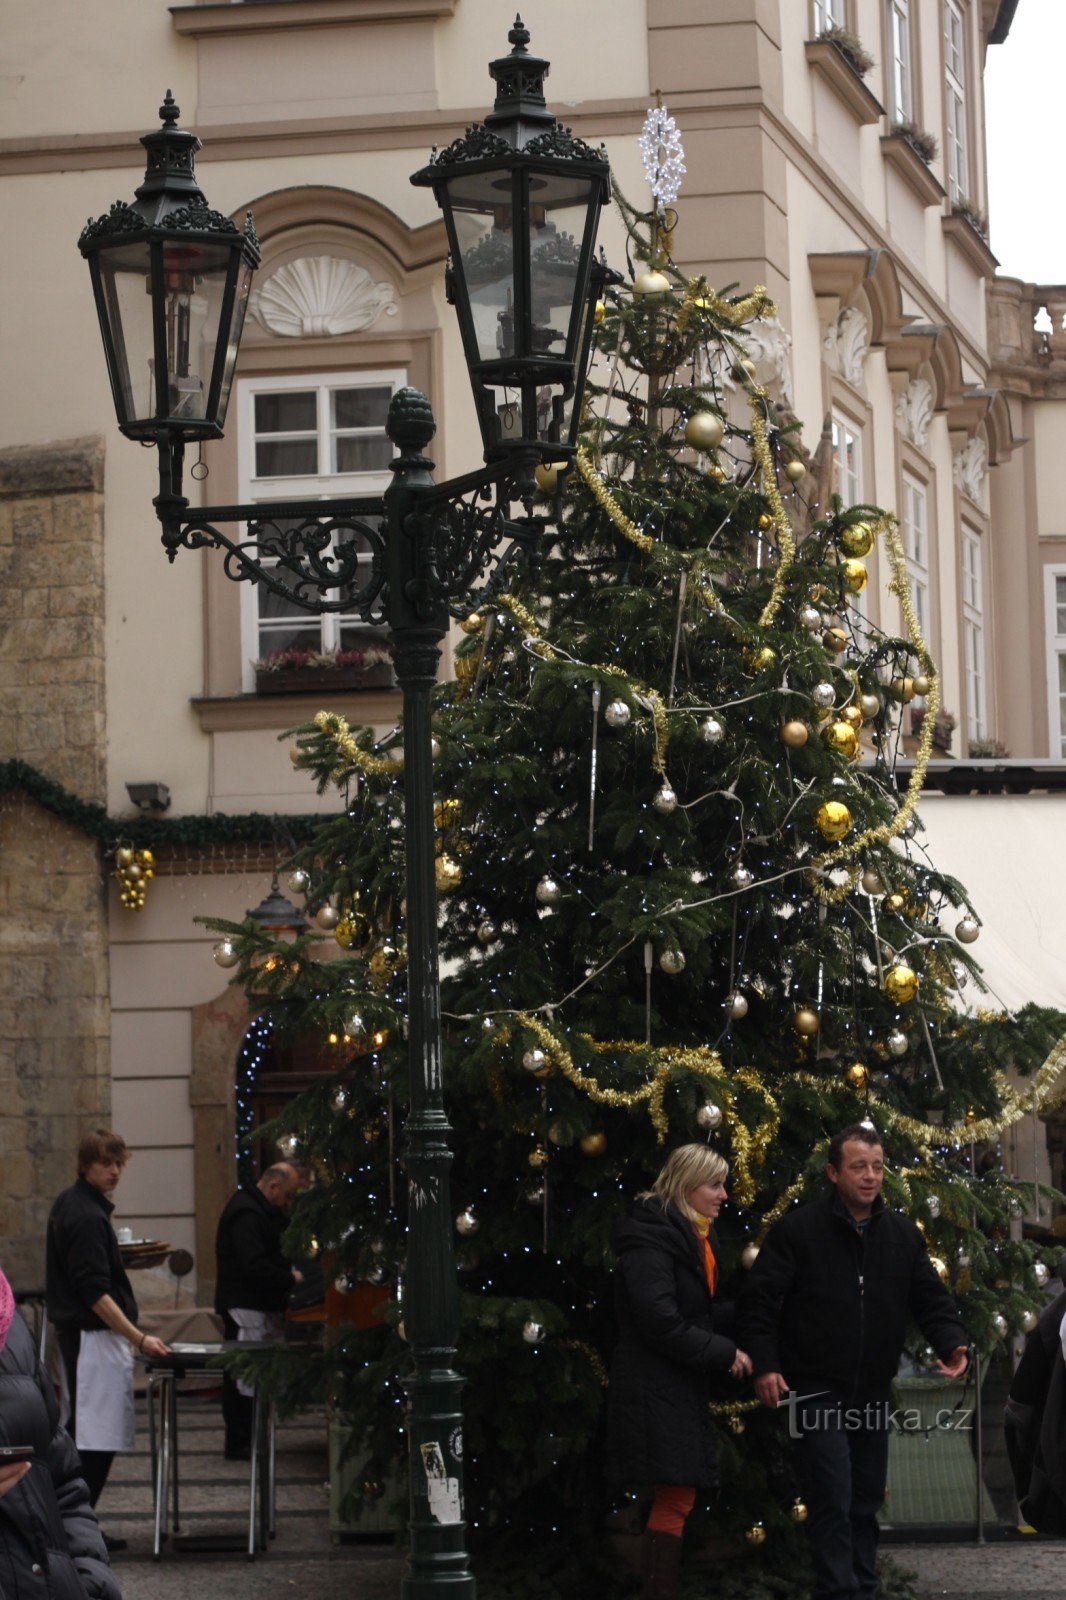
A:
<point x="658" y="1424"/>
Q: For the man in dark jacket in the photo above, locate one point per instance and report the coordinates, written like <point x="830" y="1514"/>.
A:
<point x="253" y="1282"/>
<point x="91" y="1306"/>
<point x="824" y="1316"/>
<point x="1034" y="1421"/>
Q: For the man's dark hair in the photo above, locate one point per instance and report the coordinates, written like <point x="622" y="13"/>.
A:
<point x="858" y="1130"/>
<point x="278" y="1173"/>
<point x="101" y="1145"/>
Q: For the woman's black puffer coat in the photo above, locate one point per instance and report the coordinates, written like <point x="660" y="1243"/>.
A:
<point x="51" y="1547"/>
<point x="658" y="1424"/>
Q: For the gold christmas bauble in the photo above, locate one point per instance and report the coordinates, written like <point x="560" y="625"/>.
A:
<point x="858" y="540"/>
<point x="852" y="715"/>
<point x="900" y="984"/>
<point x="448" y="874"/>
<point x="922" y="683"/>
<point x="749" y="369"/>
<point x="762" y="660"/>
<point x="765" y="523"/>
<point x="467" y="665"/>
<point x="538" y="1157"/>
<point x="835" y="639"/>
<point x="795" y="471"/>
<point x="855" y="576"/>
<point x="798" y="1511"/>
<point x="447" y="814"/>
<point x="833" y="820"/>
<point x="593" y="1144"/>
<point x="704" y="430"/>
<point x="902" y="689"/>
<point x="345" y="933"/>
<point x="384" y="961"/>
<point x="559" y="1133"/>
<point x="855" y="1075"/>
<point x="123" y="857"/>
<point x="805" y="1021"/>
<point x="600" y="312"/>
<point x="940" y="1268"/>
<point x="716" y="473"/>
<point x="842" y="738"/>
<point x="736" y="1425"/>
<point x="756" y="1534"/>
<point x="650" y="282"/>
<point x="896" y="902"/>
<point x="795" y="734"/>
<point x="146" y="858"/>
<point x="547" y="477"/>
<point x="473" y="623"/>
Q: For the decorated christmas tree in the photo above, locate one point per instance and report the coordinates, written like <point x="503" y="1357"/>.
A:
<point x="683" y="896"/>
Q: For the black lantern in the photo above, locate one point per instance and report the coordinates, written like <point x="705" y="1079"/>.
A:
<point x="521" y="198"/>
<point x="277" y="914"/>
<point x="171" y="280"/>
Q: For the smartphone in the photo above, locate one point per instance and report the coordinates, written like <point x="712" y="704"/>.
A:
<point x="15" y="1452"/>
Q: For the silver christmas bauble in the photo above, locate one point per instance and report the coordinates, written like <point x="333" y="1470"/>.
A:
<point x="896" y="1043"/>
<point x="617" y="714"/>
<point x="1040" y="1274"/>
<point x="665" y="801"/>
<point x="1029" y="1321"/>
<point x="534" y="1060"/>
<point x="488" y="1024"/>
<point x="712" y="731"/>
<point x="434" y="749"/>
<point x="749" y="1255"/>
<point x="810" y="618"/>
<point x="343" y="1284"/>
<point x="742" y="878"/>
<point x="932" y="1205"/>
<point x="967" y="930"/>
<point x="1015" y="1207"/>
<point x="376" y="1275"/>
<point x="225" y="953"/>
<point x="355" y="1027"/>
<point x="339" y="1098"/>
<point x="963" y="1260"/>
<point x="548" y="891"/>
<point x="467" y="1222"/>
<point x="486" y="931"/>
<point x="871" y="881"/>
<point x="535" y="1194"/>
<point x="736" y="1005"/>
<point x="672" y="962"/>
<point x="870" y="705"/>
<point x="533" y="1332"/>
<point x="288" y="1144"/>
<point x="709" y="1115"/>
<point x="299" y="880"/>
<point x="999" y="1323"/>
<point x="823" y="695"/>
<point x="327" y="917"/>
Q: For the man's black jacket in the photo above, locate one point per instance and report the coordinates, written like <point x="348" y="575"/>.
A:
<point x="1034" y="1422"/>
<point x="82" y="1259"/>
<point x="252" y="1273"/>
<point x="827" y="1306"/>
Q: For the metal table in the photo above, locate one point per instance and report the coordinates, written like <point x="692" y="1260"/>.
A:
<point x="163" y="1374"/>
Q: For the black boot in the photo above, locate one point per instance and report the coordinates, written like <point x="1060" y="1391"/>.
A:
<point x="661" y="1554"/>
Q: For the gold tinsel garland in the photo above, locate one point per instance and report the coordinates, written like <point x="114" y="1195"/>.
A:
<point x="607" y="502"/>
<point x="786" y="542"/>
<point x="599" y="1371"/>
<point x="337" y="729"/>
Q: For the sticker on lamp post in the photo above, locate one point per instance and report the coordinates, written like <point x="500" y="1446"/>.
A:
<point x="443" y="1492"/>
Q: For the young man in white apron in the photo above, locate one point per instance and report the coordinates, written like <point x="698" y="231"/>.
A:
<point x="93" y="1310"/>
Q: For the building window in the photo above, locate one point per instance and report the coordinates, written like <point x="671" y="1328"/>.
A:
<point x="915" y="527"/>
<point x="973" y="636"/>
<point x="955" y="90"/>
<point x="828" y="14"/>
<point x="847" y="460"/>
<point x="309" y="438"/>
<point x="1055" y="604"/>
<point x="900" y="97"/>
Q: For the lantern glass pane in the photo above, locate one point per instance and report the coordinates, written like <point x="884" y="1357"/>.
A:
<point x="194" y="281"/>
<point x="558" y="209"/>
<point x="236" y="328"/>
<point x="482" y="217"/>
<point x="568" y="424"/>
<point x="125" y="287"/>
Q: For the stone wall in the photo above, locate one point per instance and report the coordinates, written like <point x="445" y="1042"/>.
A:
<point x="54" y="1009"/>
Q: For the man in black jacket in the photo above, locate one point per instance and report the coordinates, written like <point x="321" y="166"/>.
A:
<point x="91" y="1306"/>
<point x="824" y="1317"/>
<point x="253" y="1282"/>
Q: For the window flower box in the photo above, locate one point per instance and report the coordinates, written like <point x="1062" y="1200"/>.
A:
<point x="298" y="671"/>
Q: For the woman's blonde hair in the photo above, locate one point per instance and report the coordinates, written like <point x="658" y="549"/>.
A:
<point x="687" y="1167"/>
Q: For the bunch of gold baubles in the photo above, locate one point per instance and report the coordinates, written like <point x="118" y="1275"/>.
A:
<point x="134" y="870"/>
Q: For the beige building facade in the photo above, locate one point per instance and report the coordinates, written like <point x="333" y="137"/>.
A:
<point x="918" y="374"/>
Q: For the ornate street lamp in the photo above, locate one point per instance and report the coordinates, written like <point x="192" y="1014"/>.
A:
<point x="522" y="198"/>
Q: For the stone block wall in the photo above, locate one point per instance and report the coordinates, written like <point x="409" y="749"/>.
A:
<point x="54" y="1007"/>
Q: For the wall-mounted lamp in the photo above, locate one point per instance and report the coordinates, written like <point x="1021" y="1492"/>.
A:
<point x="149" y="797"/>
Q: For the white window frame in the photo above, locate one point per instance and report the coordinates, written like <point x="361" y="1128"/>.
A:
<point x="317" y="486"/>
<point x="849" y="480"/>
<point x="972" y="588"/>
<point x="1055" y="636"/>
<point x="914" y="526"/>
<point x="957" y="158"/>
<point x="899" y="70"/>
<point x="828" y="14"/>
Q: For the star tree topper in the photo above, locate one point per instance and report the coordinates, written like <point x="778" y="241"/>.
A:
<point x="664" y="156"/>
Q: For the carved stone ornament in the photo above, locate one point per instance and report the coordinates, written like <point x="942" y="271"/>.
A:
<point x="769" y="344"/>
<point x="914" y="412"/>
<point x="316" y="296"/>
<point x="845" y="343"/>
<point x="969" y="466"/>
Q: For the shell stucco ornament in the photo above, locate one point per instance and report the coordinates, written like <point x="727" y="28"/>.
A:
<point x="317" y="296"/>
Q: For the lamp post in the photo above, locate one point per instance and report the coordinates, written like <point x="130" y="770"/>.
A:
<point x="521" y="197"/>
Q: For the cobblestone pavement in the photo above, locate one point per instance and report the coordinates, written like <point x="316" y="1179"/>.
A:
<point x="1016" y="1569"/>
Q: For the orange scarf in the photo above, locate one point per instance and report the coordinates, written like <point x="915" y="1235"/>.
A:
<point x="702" y="1226"/>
